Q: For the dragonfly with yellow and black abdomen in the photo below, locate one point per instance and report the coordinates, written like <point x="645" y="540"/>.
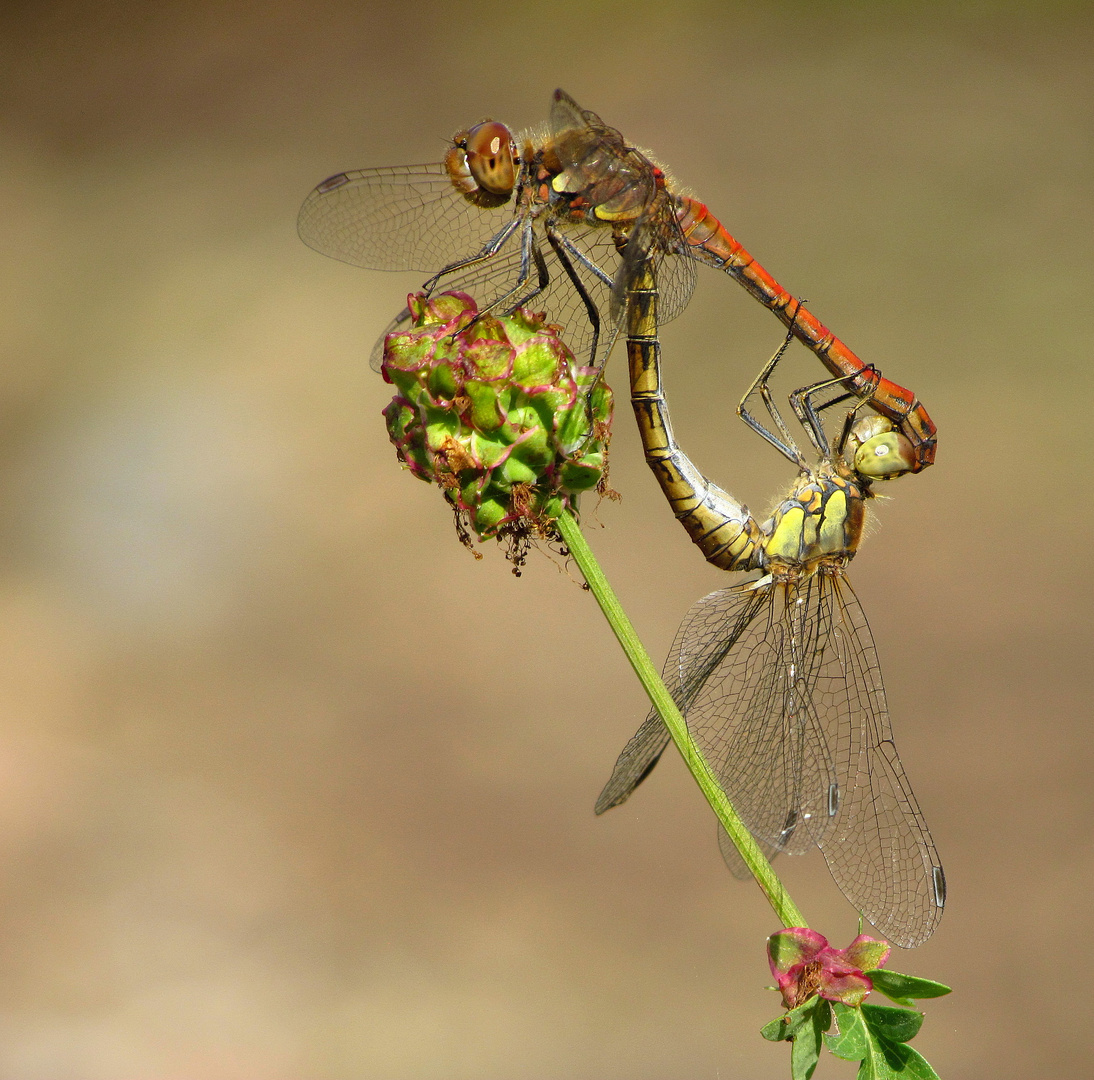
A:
<point x="778" y="678"/>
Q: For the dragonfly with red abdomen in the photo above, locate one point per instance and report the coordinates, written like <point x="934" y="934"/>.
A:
<point x="563" y="220"/>
<point x="778" y="678"/>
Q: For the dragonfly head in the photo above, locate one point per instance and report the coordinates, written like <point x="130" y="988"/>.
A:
<point x="490" y="154"/>
<point x="877" y="451"/>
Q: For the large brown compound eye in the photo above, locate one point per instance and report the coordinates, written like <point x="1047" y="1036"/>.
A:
<point x="490" y="157"/>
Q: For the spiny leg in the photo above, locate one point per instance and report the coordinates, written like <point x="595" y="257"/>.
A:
<point x="493" y="246"/>
<point x="529" y="255"/>
<point x="803" y="402"/>
<point x="786" y="445"/>
<point x="562" y="252"/>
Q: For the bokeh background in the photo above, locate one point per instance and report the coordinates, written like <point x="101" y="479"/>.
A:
<point x="290" y="785"/>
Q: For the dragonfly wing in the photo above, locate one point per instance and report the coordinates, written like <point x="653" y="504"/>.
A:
<point x="732" y="857"/>
<point x="745" y="668"/>
<point x="408" y="217"/>
<point x="634" y="764"/>
<point x="675" y="275"/>
<point x="567" y="116"/>
<point x="880" y="853"/>
<point x="597" y="164"/>
<point x="596" y="159"/>
<point x="645" y="747"/>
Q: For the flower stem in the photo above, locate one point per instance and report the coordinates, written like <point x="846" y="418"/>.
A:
<point x="754" y="859"/>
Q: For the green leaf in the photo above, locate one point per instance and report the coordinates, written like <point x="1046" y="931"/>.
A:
<point x="515" y="471"/>
<point x="552" y="407"/>
<point x="579" y="476"/>
<point x="806" y="1046"/>
<point x="441" y="382"/>
<point x="485" y="414"/>
<point x="913" y="1065"/>
<point x="602" y="403"/>
<point x="787" y="1026"/>
<point x="490" y="358"/>
<point x="851" y="1041"/>
<point x="441" y="425"/>
<point x="896" y="1025"/>
<point x="488" y="450"/>
<point x="804" y="1027"/>
<point x="490" y="514"/>
<point x="881" y="1057"/>
<point x="536" y="364"/>
<point x="905" y="989"/>
<point x="535" y="450"/>
<point x="895" y="1061"/>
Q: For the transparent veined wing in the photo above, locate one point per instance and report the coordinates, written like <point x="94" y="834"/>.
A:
<point x="881" y="854"/>
<point x="732" y="857"/>
<point x="746" y="662"/>
<point x="404" y="217"/>
<point x="597" y="162"/>
<point x="634" y="764"/>
<point x="648" y="743"/>
<point x="656" y="239"/>
<point x="781" y="688"/>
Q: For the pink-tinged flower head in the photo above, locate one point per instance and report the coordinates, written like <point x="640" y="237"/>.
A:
<point x="497" y="411"/>
<point x="805" y="965"/>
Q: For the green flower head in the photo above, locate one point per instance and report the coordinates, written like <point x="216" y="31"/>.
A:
<point x="497" y="412"/>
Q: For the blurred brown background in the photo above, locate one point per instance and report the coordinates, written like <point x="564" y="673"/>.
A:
<point x="291" y="786"/>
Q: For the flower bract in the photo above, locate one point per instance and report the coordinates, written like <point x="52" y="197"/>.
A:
<point x="805" y="966"/>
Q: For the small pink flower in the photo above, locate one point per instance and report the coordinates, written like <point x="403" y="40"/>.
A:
<point x="804" y="964"/>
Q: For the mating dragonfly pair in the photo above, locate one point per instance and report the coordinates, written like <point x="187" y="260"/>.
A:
<point x="778" y="679"/>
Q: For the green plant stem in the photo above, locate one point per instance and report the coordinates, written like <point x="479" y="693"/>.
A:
<point x="766" y="878"/>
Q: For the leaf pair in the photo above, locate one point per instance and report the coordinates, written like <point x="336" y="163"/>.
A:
<point x="875" y="1035"/>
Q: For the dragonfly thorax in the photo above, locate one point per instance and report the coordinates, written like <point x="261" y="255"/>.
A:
<point x="584" y="190"/>
<point x="820" y="521"/>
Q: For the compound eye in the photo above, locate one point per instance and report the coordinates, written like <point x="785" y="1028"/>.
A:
<point x="884" y="457"/>
<point x="490" y="157"/>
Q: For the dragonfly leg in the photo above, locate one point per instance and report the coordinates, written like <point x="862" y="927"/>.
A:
<point x="579" y="256"/>
<point x="803" y="402"/>
<point x="489" y="251"/>
<point x="761" y="385"/>
<point x="529" y="255"/>
<point x="562" y="252"/>
<point x="492" y="247"/>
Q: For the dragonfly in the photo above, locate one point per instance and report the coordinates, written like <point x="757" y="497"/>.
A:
<point x="564" y="218"/>
<point x="778" y="678"/>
